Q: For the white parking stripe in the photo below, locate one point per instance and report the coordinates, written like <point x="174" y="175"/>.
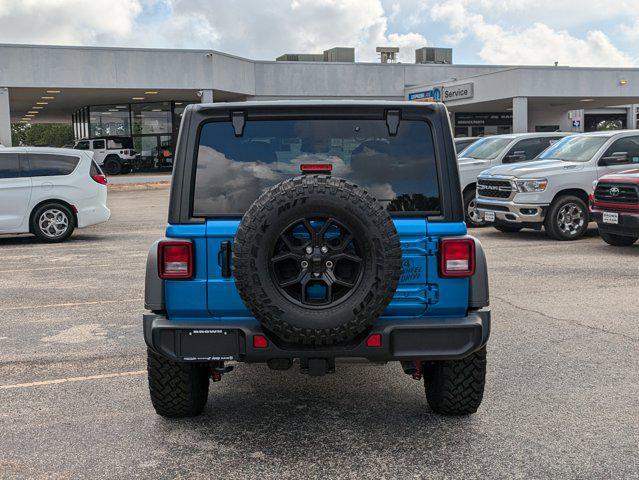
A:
<point x="72" y="379"/>
<point x="97" y="302"/>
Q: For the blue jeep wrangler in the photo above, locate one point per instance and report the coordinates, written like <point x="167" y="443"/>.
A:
<point x="305" y="232"/>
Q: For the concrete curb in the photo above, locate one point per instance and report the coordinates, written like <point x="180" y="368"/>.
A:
<point x="123" y="187"/>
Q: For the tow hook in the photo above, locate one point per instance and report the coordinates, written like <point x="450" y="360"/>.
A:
<point x="417" y="373"/>
<point x="217" y="369"/>
<point x="414" y="368"/>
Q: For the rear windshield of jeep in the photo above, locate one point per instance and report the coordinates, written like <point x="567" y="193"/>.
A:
<point x="400" y="170"/>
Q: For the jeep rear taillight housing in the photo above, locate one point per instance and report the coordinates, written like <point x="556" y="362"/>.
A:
<point x="457" y="257"/>
<point x="175" y="259"/>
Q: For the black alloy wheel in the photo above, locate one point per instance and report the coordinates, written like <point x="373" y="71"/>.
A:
<point x="316" y="262"/>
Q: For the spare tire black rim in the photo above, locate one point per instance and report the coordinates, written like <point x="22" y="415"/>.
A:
<point x="316" y="262"/>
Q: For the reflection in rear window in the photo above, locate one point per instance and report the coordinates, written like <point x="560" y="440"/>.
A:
<point x="232" y="171"/>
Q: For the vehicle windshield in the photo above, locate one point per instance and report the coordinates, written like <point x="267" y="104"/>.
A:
<point x="574" y="149"/>
<point x="486" y="148"/>
<point x="399" y="170"/>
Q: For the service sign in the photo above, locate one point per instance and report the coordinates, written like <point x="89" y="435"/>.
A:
<point x="458" y="92"/>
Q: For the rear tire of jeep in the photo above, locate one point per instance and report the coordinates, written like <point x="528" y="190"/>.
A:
<point x="471" y="215"/>
<point x="617" y="240"/>
<point x="177" y="389"/>
<point x="456" y="387"/>
<point x="567" y="218"/>
<point x="506" y="228"/>
<point x="112" y="166"/>
<point x="292" y="220"/>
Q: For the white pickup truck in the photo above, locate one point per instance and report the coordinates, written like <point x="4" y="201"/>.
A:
<point x="489" y="151"/>
<point x="553" y="190"/>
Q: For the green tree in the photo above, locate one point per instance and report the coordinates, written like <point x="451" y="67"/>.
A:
<point x="41" y="134"/>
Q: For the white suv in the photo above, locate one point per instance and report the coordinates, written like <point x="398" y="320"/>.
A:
<point x="489" y="151"/>
<point x="553" y="191"/>
<point x="114" y="154"/>
<point x="50" y="191"/>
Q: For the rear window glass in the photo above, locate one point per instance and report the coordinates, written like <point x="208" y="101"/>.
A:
<point x="400" y="171"/>
<point x="95" y="170"/>
<point x="119" y="143"/>
<point x="47" y="165"/>
<point x="9" y="165"/>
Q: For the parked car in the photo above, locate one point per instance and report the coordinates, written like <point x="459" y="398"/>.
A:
<point x="615" y="207"/>
<point x="50" y="191"/>
<point x="490" y="151"/>
<point x="278" y="251"/>
<point x="114" y="154"/>
<point x="461" y="143"/>
<point x="553" y="190"/>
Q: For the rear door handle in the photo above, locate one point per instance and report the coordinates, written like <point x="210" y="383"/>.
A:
<point x="224" y="258"/>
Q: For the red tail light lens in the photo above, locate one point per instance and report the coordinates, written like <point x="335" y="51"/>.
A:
<point x="325" y="168"/>
<point x="457" y="257"/>
<point x="101" y="179"/>
<point x="374" y="341"/>
<point x="175" y="260"/>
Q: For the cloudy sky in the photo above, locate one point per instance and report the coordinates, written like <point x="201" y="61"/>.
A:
<point x="572" y="32"/>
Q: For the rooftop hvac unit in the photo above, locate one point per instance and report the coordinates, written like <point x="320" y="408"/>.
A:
<point x="434" y="55"/>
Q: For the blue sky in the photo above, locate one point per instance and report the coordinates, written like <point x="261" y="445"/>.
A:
<point x="572" y="32"/>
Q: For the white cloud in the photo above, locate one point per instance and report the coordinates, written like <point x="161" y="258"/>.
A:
<point x="66" y="21"/>
<point x="285" y="26"/>
<point x="538" y="44"/>
<point x="499" y="31"/>
<point x="251" y="28"/>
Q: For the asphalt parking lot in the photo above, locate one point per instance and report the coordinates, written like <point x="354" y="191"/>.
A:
<point x="562" y="398"/>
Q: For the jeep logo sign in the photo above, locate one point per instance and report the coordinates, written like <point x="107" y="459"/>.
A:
<point x="458" y="92"/>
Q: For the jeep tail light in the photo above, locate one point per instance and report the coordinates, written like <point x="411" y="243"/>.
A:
<point x="325" y="168"/>
<point x="175" y="259"/>
<point x="101" y="179"/>
<point x="457" y="257"/>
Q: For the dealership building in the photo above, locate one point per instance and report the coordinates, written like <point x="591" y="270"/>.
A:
<point x="142" y="92"/>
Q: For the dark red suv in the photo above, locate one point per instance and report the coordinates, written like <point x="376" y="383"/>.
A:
<point x="615" y="207"/>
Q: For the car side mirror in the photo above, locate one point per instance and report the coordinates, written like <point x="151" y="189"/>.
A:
<point x="515" y="157"/>
<point x="617" y="158"/>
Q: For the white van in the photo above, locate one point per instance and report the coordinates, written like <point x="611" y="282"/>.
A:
<point x="50" y="191"/>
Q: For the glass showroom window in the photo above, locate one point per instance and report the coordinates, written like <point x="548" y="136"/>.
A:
<point x="151" y="118"/>
<point x="110" y="120"/>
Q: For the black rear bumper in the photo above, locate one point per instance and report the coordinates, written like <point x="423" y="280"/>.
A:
<point x="410" y="339"/>
<point x="628" y="224"/>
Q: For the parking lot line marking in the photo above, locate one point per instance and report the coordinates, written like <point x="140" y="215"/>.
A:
<point x="72" y="379"/>
<point x="52" y="268"/>
<point x="96" y="302"/>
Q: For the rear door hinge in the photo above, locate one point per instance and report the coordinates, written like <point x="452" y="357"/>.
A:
<point x="431" y="292"/>
<point x="432" y="245"/>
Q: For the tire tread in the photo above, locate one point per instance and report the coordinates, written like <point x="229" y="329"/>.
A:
<point x="456" y="387"/>
<point x="177" y="389"/>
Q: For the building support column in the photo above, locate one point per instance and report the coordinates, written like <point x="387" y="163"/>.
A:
<point x="631" y="120"/>
<point x="520" y="114"/>
<point x="207" y="96"/>
<point x="5" y="118"/>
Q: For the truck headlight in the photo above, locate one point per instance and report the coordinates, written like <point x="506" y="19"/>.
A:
<point x="531" y="185"/>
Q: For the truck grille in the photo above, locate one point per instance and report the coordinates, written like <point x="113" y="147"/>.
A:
<point x="617" y="193"/>
<point x="494" y="188"/>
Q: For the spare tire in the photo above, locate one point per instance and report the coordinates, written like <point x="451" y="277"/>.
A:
<point x="316" y="260"/>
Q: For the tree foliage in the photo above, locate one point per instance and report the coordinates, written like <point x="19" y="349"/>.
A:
<point x="41" y="134"/>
